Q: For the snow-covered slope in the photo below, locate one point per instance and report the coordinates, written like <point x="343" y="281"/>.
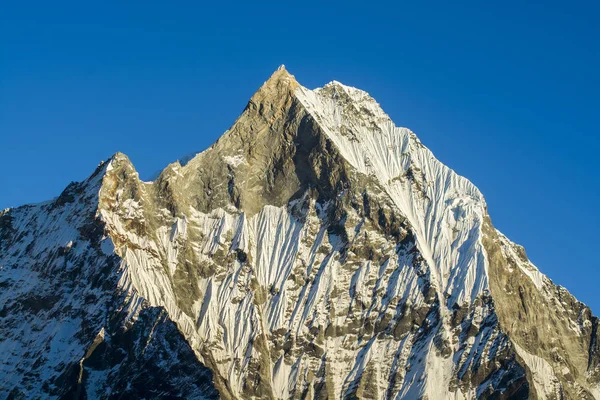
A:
<point x="315" y="251"/>
<point x="445" y="210"/>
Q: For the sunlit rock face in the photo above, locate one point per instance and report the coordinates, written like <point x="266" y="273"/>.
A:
<point x="315" y="250"/>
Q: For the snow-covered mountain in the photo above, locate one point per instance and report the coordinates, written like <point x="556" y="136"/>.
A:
<point x="315" y="250"/>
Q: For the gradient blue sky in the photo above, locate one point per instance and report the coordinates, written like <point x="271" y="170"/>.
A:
<point x="505" y="93"/>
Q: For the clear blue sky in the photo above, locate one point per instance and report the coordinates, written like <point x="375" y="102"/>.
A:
<point x="505" y="93"/>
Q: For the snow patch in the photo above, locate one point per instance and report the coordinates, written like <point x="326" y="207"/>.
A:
<point x="234" y="161"/>
<point x="107" y="246"/>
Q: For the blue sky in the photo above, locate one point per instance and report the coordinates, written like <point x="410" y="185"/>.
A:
<point x="505" y="93"/>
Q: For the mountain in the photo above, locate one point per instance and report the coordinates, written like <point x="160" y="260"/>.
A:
<point x="315" y="251"/>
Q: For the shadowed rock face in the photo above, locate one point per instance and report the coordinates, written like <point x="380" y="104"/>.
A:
<point x="314" y="251"/>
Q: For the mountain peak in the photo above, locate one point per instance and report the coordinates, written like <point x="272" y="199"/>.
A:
<point x="281" y="79"/>
<point x="315" y="250"/>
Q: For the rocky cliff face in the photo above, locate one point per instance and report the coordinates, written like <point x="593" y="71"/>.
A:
<point x="315" y="250"/>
